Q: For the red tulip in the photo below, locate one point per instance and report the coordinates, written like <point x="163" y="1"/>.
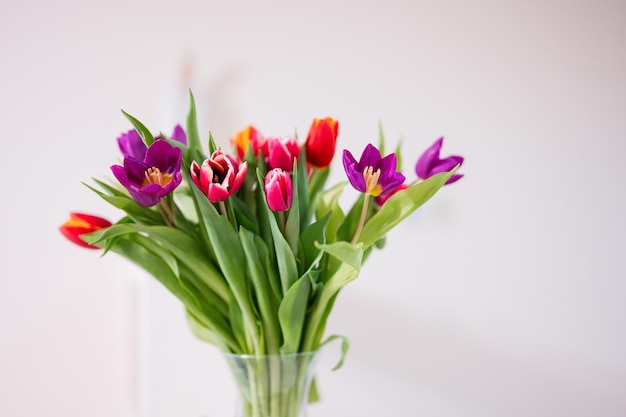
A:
<point x="81" y="223"/>
<point x="321" y="141"/>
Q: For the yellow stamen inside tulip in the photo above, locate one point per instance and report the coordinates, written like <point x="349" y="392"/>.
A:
<point x="77" y="222"/>
<point x="155" y="176"/>
<point x="371" y="181"/>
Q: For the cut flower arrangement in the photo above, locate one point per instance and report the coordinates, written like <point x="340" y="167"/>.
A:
<point x="252" y="242"/>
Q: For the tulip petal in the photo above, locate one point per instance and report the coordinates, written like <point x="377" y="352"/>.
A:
<point x="454" y="178"/>
<point x="387" y="167"/>
<point x="370" y="157"/>
<point x="179" y="135"/>
<point x="217" y="192"/>
<point x="135" y="170"/>
<point x="131" y="144"/>
<point x="445" y="165"/>
<point x="239" y="178"/>
<point x="426" y="160"/>
<point x="392" y="183"/>
<point x="354" y="174"/>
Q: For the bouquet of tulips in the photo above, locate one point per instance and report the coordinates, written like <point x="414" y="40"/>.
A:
<point x="252" y="242"/>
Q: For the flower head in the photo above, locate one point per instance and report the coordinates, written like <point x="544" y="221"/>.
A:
<point x="131" y="144"/>
<point x="247" y="137"/>
<point x="372" y="174"/>
<point x="219" y="177"/>
<point x="81" y="223"/>
<point x="320" y="142"/>
<point x="278" y="190"/>
<point x="154" y="177"/>
<point x="429" y="163"/>
<point x="282" y="152"/>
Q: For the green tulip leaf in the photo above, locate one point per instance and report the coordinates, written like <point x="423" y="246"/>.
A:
<point x="291" y="314"/>
<point x="143" y="131"/>
<point x="286" y="262"/>
<point x="399" y="206"/>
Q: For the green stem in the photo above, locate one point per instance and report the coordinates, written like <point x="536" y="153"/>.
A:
<point x="223" y="209"/>
<point x="283" y="223"/>
<point x="166" y="213"/>
<point x="359" y="228"/>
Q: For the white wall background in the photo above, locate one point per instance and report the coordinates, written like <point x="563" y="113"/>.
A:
<point x="504" y="296"/>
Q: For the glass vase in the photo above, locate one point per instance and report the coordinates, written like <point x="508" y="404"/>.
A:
<point x="272" y="385"/>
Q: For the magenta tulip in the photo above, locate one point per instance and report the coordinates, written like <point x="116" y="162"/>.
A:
<point x="282" y="152"/>
<point x="429" y="163"/>
<point x="154" y="177"/>
<point x="131" y="144"/>
<point x="372" y="174"/>
<point x="278" y="190"/>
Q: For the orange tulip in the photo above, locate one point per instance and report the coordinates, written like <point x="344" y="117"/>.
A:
<point x="81" y="223"/>
<point x="246" y="138"/>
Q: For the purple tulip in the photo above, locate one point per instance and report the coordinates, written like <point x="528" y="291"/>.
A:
<point x="131" y="144"/>
<point x="278" y="190"/>
<point x="154" y="177"/>
<point x="430" y="164"/>
<point x="372" y="174"/>
<point x="179" y="135"/>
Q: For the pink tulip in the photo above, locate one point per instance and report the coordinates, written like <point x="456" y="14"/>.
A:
<point x="278" y="190"/>
<point x="282" y="152"/>
<point x="219" y="177"/>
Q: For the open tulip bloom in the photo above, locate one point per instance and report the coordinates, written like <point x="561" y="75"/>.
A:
<point x="255" y="247"/>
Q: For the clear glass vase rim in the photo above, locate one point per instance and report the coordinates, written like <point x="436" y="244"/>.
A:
<point x="271" y="355"/>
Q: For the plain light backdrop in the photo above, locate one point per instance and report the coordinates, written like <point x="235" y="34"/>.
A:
<point x="503" y="296"/>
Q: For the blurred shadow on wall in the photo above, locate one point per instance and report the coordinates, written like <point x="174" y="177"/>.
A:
<point x="215" y="94"/>
<point x="437" y="357"/>
<point x="222" y="116"/>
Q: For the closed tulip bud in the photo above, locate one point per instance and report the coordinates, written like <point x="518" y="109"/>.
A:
<point x="79" y="224"/>
<point x="321" y="141"/>
<point x="278" y="190"/>
<point x="282" y="152"/>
